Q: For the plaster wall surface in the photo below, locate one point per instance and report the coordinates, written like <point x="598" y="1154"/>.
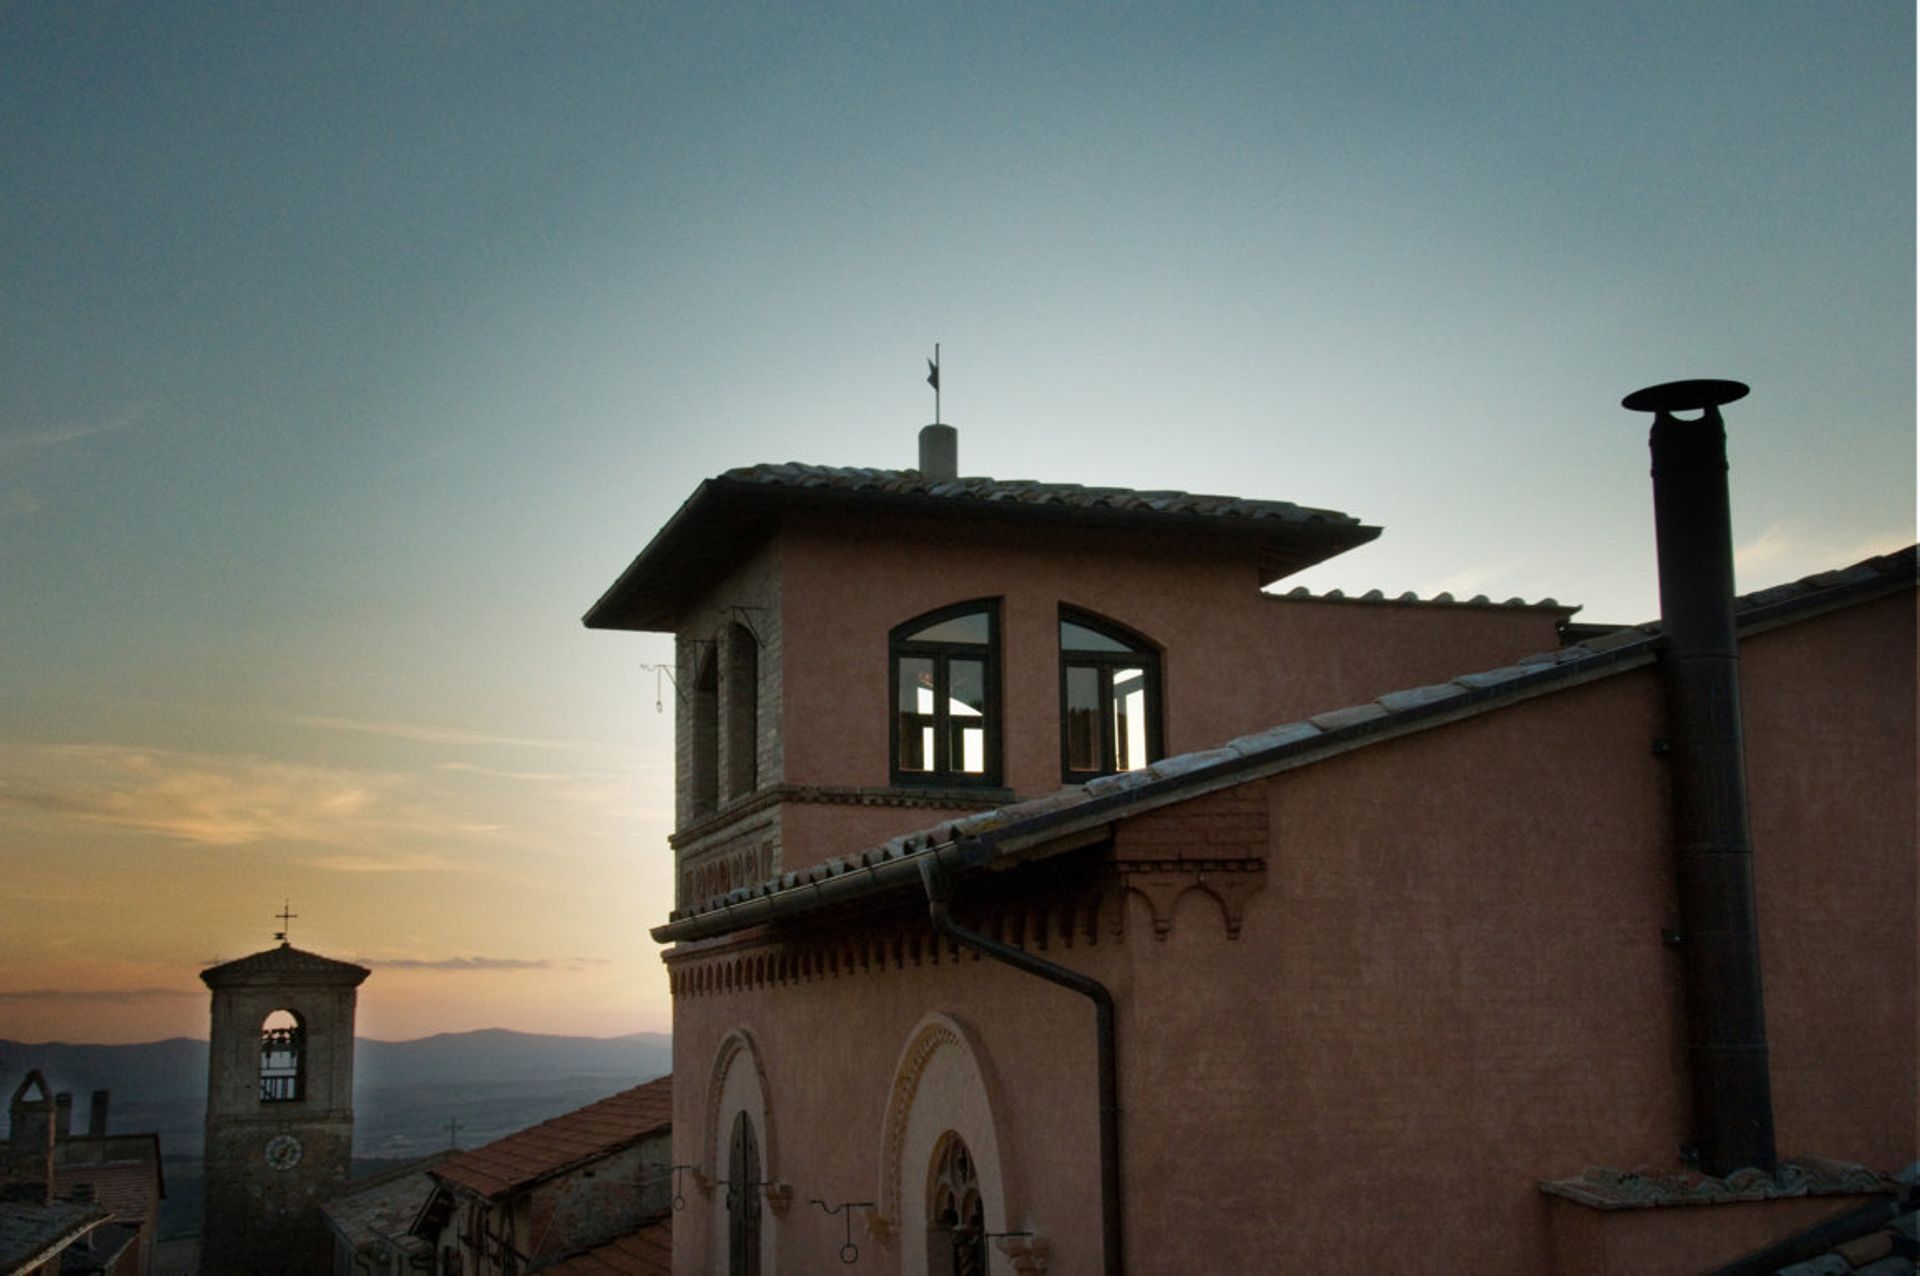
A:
<point x="1829" y="712"/>
<point x="830" y="1045"/>
<point x="1233" y="660"/>
<point x="1454" y="983"/>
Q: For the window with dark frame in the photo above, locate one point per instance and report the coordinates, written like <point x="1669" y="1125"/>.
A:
<point x="1109" y="698"/>
<point x="945" y="696"/>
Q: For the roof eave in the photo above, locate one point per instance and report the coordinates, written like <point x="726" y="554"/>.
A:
<point x="649" y="597"/>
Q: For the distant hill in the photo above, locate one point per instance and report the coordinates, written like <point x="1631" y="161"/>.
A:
<point x="490" y="1082"/>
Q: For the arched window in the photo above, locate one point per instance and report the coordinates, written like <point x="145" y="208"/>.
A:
<point x="704" y="795"/>
<point x="283" y="1058"/>
<point x="945" y="670"/>
<point x="743" y="711"/>
<point x="956" y="1222"/>
<point x="1109" y="698"/>
<point x="743" y="1199"/>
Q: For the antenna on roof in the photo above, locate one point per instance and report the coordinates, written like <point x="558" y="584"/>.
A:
<point x="286" y="915"/>
<point x="933" y="379"/>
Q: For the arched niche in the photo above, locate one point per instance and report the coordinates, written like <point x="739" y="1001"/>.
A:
<point x="941" y="1089"/>
<point x="737" y="1085"/>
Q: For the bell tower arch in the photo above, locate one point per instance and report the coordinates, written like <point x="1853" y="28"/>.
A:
<point x="279" y="1135"/>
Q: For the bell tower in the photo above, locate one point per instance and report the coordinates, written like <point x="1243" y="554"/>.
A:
<point x="279" y="1110"/>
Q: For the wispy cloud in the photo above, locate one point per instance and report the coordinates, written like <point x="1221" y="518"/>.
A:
<point x="209" y="799"/>
<point x="17" y="446"/>
<point x="111" y="996"/>
<point x="424" y="733"/>
<point x="495" y="773"/>
<point x="334" y="819"/>
<point x="348" y="862"/>
<point x="1792" y="548"/>
<point x="482" y="963"/>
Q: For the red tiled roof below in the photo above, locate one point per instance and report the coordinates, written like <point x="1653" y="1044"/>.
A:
<point x="647" y="1252"/>
<point x="131" y="1191"/>
<point x="542" y="1151"/>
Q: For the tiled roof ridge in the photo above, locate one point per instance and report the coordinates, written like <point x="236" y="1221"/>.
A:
<point x="478" y="1168"/>
<point x="1028" y="492"/>
<point x="1407" y="709"/>
<point x="285" y="959"/>
<point x="1610" y="1189"/>
<point x="1376" y="597"/>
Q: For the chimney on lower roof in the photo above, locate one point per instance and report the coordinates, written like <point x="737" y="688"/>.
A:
<point x="1713" y="849"/>
<point x="97" y="1114"/>
<point x="939" y="453"/>
<point x="62" y="1114"/>
<point x="30" y="1141"/>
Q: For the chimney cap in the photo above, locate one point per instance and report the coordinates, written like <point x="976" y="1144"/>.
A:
<point x="1684" y="396"/>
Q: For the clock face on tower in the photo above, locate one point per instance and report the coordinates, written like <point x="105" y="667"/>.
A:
<point x="283" y="1152"/>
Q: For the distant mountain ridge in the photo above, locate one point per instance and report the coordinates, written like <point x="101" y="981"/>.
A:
<point x="405" y="1093"/>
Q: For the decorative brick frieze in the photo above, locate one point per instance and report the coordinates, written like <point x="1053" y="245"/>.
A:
<point x="1217" y="845"/>
<point x="759" y="962"/>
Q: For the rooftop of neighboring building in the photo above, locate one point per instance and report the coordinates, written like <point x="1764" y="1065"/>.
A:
<point x="645" y="1251"/>
<point x="551" y="1148"/>
<point x="381" y="1207"/>
<point x="33" y="1232"/>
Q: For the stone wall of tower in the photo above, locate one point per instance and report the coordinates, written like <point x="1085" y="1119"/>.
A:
<point x="269" y="1164"/>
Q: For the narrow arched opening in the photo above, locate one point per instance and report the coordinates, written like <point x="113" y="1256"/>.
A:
<point x="283" y="1058"/>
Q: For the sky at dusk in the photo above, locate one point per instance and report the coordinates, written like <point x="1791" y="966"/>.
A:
<point x="348" y="352"/>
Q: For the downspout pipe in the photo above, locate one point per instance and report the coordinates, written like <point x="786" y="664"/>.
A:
<point x="1719" y="940"/>
<point x="939" y="887"/>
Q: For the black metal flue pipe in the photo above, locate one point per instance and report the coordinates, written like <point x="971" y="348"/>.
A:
<point x="1719" y="941"/>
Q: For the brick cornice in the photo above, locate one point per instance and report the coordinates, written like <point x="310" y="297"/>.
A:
<point x="929" y="799"/>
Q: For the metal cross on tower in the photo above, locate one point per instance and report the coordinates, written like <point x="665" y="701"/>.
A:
<point x="286" y="914"/>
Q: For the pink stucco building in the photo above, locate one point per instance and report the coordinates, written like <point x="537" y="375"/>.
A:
<point x="1052" y="898"/>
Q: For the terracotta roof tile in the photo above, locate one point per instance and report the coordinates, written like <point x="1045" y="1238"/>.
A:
<point x="646" y="1252"/>
<point x="542" y="1151"/>
<point x="1376" y="597"/>
<point x="30" y="1233"/>
<point x="129" y="1190"/>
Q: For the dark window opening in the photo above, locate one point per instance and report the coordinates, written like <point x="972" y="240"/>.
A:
<point x="743" y="712"/>
<point x="945" y="696"/>
<point x="1109" y="698"/>
<point x="743" y="1199"/>
<point x="704" y="795"/>
<point x="283" y="1058"/>
<point x="956" y="1222"/>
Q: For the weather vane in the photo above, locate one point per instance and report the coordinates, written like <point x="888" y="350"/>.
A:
<point x="286" y="915"/>
<point x="933" y="379"/>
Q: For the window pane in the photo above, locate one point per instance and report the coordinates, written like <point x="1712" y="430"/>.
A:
<point x="1083" y="718"/>
<point x="971" y="627"/>
<point x="1080" y="638"/>
<point x="966" y="688"/>
<point x="914" y="697"/>
<point x="970" y="749"/>
<point x="1129" y="719"/>
<point x="966" y="712"/>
